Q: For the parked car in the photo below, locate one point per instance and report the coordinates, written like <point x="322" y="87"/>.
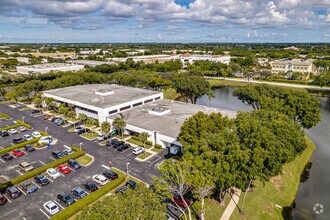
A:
<point x="55" y="118"/>
<point x="110" y="142"/>
<point x="45" y="140"/>
<point x="132" y="184"/>
<point x="57" y="154"/>
<point x="26" y="167"/>
<point x="36" y="134"/>
<point x="4" y="133"/>
<point x="61" y="122"/>
<point x="3" y="200"/>
<point x="21" y="128"/>
<point x="138" y="150"/>
<point x="7" y="156"/>
<point x="13" y="192"/>
<point x="118" y="143"/>
<point x="74" y="164"/>
<point x="53" y="173"/>
<point x="12" y="131"/>
<point x="77" y="129"/>
<point x="100" y="179"/>
<point x="121" y="189"/>
<point x="177" y="199"/>
<point x="66" y="198"/>
<point x="110" y="174"/>
<point x="29" y="148"/>
<point x="64" y="168"/>
<point x="68" y="151"/>
<point x="90" y="186"/>
<point x="123" y="147"/>
<point x="79" y="193"/>
<point x="29" y="187"/>
<point x="18" y="140"/>
<point x="83" y="130"/>
<point x="36" y="111"/>
<point x="18" y="153"/>
<point x="42" y="180"/>
<point x="51" y="207"/>
<point x="27" y="137"/>
<point x="104" y="136"/>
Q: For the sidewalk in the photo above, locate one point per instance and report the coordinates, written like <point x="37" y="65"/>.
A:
<point x="231" y="206"/>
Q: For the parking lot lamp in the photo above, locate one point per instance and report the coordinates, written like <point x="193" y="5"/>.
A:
<point x="127" y="164"/>
<point x="46" y="129"/>
<point x="80" y="145"/>
<point x="23" y="119"/>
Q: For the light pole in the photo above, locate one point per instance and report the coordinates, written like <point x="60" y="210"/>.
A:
<point x="46" y="129"/>
<point x="127" y="164"/>
<point x="80" y="145"/>
<point x="23" y="119"/>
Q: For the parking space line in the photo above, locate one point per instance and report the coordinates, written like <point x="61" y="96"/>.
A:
<point x="66" y="147"/>
<point x="44" y="213"/>
<point x="58" y="204"/>
<point x="106" y="167"/>
<point x="50" y="179"/>
<point x="1" y="147"/>
<point x="52" y="158"/>
<point x="42" y="162"/>
<point x="19" y="172"/>
<point x="72" y="170"/>
<point x="61" y="174"/>
<point x="7" y="198"/>
<point x="21" y="190"/>
<point x="25" y="152"/>
<point x="13" y="156"/>
<point x="2" y="161"/>
<point x="24" y="218"/>
<point x="35" y="184"/>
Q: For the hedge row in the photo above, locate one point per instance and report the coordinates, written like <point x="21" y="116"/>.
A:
<point x="23" y="124"/>
<point x="138" y="139"/>
<point x="20" y="145"/>
<point x="42" y="169"/>
<point x="158" y="146"/>
<point x="3" y="115"/>
<point x="92" y="197"/>
<point x="18" y="123"/>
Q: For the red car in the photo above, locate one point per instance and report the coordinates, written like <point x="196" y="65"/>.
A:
<point x="177" y="199"/>
<point x="64" y="168"/>
<point x="18" y="153"/>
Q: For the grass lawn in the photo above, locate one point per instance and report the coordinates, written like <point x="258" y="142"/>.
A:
<point x="139" y="143"/>
<point x="104" y="142"/>
<point x="24" y="109"/>
<point x="84" y="160"/>
<point x="71" y="130"/>
<point x="280" y="190"/>
<point x="142" y="156"/>
<point x="157" y="150"/>
<point x="90" y="135"/>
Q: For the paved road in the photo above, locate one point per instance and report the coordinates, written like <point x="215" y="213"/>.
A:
<point x="271" y="83"/>
<point x="28" y="206"/>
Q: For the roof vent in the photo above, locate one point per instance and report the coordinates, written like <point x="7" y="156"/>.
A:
<point x="159" y="111"/>
<point x="104" y="92"/>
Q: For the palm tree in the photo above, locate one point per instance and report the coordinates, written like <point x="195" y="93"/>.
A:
<point x="105" y="127"/>
<point x="37" y="102"/>
<point x="144" y="137"/>
<point x="82" y="117"/>
<point x="120" y="124"/>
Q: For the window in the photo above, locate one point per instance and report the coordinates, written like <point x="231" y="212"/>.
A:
<point x="124" y="108"/>
<point x="147" y="101"/>
<point x="113" y="111"/>
<point x="137" y="104"/>
<point x="157" y="98"/>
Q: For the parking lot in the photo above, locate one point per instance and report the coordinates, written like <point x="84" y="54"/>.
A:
<point x="30" y="206"/>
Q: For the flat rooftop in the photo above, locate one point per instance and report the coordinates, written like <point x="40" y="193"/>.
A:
<point x="86" y="94"/>
<point x="168" y="124"/>
<point x="49" y="66"/>
<point x="90" y="62"/>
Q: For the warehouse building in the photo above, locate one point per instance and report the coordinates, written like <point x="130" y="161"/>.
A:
<point x="48" y="67"/>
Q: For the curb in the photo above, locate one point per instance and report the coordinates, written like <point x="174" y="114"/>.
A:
<point x="89" y="162"/>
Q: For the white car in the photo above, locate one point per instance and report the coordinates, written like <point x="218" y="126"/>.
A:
<point x="12" y="131"/>
<point x="27" y="137"/>
<point x="21" y="128"/>
<point x="100" y="179"/>
<point x="138" y="150"/>
<point x="45" y="140"/>
<point x="36" y="134"/>
<point x="68" y="151"/>
<point x="53" y="173"/>
<point x="51" y="207"/>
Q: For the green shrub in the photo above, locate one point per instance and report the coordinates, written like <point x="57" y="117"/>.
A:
<point x="82" y="203"/>
<point x="3" y="115"/>
<point x="138" y="139"/>
<point x="20" y="123"/>
<point x="148" y="142"/>
<point x="158" y="146"/>
<point x="42" y="169"/>
<point x="20" y="145"/>
<point x="135" y="138"/>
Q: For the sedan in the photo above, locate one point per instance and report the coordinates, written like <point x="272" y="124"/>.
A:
<point x="90" y="186"/>
<point x="61" y="122"/>
<point x="36" y="134"/>
<point x="18" y="153"/>
<point x="42" y="180"/>
<point x="100" y="179"/>
<point x="123" y="147"/>
<point x="51" y="207"/>
<point x="68" y="151"/>
<point x="118" y="143"/>
<point x="29" y="148"/>
<point x="53" y="173"/>
<point x="18" y="140"/>
<point x="27" y="137"/>
<point x="4" y="133"/>
<point x="64" y="168"/>
<point x="29" y="187"/>
<point x="121" y="189"/>
<point x="12" y="131"/>
<point x="138" y="150"/>
<point x="74" y="164"/>
<point x="7" y="156"/>
<point x="21" y="128"/>
<point x="110" y="174"/>
<point x="3" y="200"/>
<point x="66" y="198"/>
<point x="13" y="192"/>
<point x="111" y="142"/>
<point x="79" y="192"/>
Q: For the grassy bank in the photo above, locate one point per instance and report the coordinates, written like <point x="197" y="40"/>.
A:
<point x="216" y="83"/>
<point x="280" y="190"/>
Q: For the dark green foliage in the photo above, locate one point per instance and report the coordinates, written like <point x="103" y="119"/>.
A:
<point x="323" y="79"/>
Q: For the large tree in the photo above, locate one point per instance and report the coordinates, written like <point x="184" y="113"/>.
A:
<point x="299" y="105"/>
<point x="119" y="124"/>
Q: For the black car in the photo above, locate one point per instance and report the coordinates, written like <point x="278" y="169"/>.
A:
<point x="132" y="184"/>
<point x="3" y="200"/>
<point x="29" y="187"/>
<point x="13" y="192"/>
<point x="36" y="111"/>
<point x="4" y="133"/>
<point x="110" y="174"/>
<point x="118" y="143"/>
<point x="18" y="140"/>
<point x="74" y="164"/>
<point x="66" y="198"/>
<point x="121" y="189"/>
<point x="7" y="156"/>
<point x="79" y="192"/>
<point x="90" y="186"/>
<point x="111" y="142"/>
<point x="61" y="122"/>
<point x="42" y="180"/>
<point x="123" y="147"/>
<point x="57" y="154"/>
<point x="83" y="130"/>
<point x="55" y="118"/>
<point x="29" y="148"/>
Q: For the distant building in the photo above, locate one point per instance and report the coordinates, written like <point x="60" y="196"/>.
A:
<point x="54" y="55"/>
<point x="263" y="61"/>
<point x="292" y="48"/>
<point x="191" y="58"/>
<point x="23" y="59"/>
<point x="91" y="63"/>
<point x="293" y="65"/>
<point x="46" y="68"/>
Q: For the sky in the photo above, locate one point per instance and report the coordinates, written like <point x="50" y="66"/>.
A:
<point x="115" y="21"/>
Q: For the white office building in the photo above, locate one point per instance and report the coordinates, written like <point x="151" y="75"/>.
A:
<point x="48" y="67"/>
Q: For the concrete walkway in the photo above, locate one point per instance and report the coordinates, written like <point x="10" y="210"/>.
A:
<point x="231" y="206"/>
<point x="271" y="83"/>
